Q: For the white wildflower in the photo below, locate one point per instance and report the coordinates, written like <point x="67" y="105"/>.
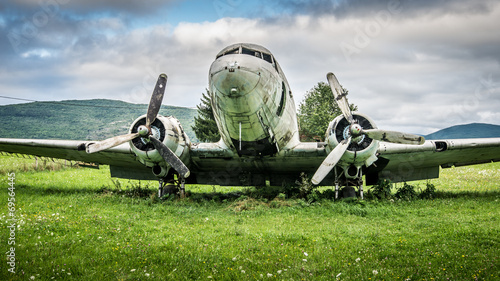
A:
<point x="132" y="270"/>
<point x="147" y="274"/>
<point x="32" y="277"/>
<point x="358" y="259"/>
<point x="279" y="271"/>
<point x="305" y="254"/>
<point x="375" y="272"/>
<point x="269" y="275"/>
<point x="242" y="271"/>
<point x="304" y="259"/>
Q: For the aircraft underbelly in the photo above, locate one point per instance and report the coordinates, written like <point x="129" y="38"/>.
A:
<point x="244" y="171"/>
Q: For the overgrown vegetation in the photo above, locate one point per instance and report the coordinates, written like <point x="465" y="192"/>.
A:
<point x="77" y="224"/>
<point x="25" y="163"/>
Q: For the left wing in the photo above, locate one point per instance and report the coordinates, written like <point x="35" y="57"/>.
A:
<point x="398" y="162"/>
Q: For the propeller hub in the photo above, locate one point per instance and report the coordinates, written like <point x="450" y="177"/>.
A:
<point x="143" y="131"/>
<point x="355" y="130"/>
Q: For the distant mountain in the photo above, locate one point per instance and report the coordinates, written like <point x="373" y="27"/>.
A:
<point x="100" y="119"/>
<point x="81" y="119"/>
<point x="467" y="131"/>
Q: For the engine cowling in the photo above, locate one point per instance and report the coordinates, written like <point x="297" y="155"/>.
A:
<point x="169" y="131"/>
<point x="362" y="150"/>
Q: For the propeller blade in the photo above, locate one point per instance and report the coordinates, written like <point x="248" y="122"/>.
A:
<point x="340" y="96"/>
<point x="111" y="142"/>
<point x="170" y="157"/>
<point x="394" y="137"/>
<point x="156" y="99"/>
<point x="330" y="161"/>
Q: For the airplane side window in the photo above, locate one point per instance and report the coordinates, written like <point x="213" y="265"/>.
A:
<point x="281" y="106"/>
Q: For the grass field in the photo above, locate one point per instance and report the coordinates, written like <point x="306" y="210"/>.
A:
<point x="77" y="224"/>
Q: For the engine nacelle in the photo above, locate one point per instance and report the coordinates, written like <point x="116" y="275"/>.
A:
<point x="167" y="130"/>
<point x="362" y="150"/>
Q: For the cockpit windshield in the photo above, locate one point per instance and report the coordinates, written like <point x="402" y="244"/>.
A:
<point x="251" y="52"/>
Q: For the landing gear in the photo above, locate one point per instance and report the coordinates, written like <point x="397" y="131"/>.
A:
<point x="347" y="190"/>
<point x="182" y="189"/>
<point x="167" y="188"/>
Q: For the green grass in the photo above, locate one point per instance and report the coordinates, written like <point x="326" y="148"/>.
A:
<point x="77" y="224"/>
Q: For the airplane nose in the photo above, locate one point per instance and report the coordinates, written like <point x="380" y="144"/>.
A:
<point x="235" y="80"/>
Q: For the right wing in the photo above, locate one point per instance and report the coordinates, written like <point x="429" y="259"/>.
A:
<point x="71" y="150"/>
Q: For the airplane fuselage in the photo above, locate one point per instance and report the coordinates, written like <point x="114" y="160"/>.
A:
<point x="252" y="101"/>
<point x="257" y="120"/>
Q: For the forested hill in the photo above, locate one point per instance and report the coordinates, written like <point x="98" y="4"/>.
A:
<point x="473" y="130"/>
<point x="81" y="119"/>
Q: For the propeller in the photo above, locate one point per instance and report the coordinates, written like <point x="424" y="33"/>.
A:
<point x="355" y="130"/>
<point x="330" y="161"/>
<point x="144" y="131"/>
<point x="340" y="96"/>
<point x="111" y="142"/>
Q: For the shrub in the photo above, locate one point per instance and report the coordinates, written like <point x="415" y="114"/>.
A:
<point x="407" y="192"/>
<point x="305" y="185"/>
<point x="382" y="190"/>
<point x="429" y="191"/>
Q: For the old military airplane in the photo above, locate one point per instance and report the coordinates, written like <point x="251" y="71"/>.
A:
<point x="256" y="117"/>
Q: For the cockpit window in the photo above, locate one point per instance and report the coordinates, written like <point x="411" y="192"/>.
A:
<point x="246" y="51"/>
<point x="267" y="57"/>
<point x="250" y="52"/>
<point x="230" y="52"/>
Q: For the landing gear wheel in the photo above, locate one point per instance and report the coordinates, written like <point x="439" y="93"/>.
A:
<point x="167" y="188"/>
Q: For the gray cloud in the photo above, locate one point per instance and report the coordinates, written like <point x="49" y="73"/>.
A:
<point x="363" y="8"/>
<point x="412" y="74"/>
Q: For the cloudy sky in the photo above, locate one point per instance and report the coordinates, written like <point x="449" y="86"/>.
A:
<point x="414" y="66"/>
